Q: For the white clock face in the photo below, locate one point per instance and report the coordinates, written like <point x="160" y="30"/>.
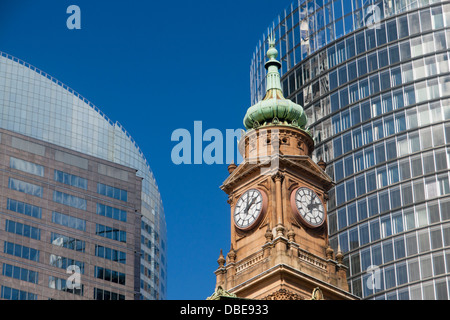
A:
<point x="310" y="206"/>
<point x="248" y="208"/>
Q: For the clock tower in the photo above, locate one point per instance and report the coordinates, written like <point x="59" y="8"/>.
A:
<point x="277" y="196"/>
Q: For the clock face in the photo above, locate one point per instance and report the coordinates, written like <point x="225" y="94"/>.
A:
<point x="249" y="209"/>
<point x="309" y="206"/>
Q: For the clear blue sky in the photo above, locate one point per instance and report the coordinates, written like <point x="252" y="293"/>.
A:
<point x="156" y="66"/>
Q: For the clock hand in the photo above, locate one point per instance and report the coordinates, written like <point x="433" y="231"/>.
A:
<point x="312" y="206"/>
<point x="249" y="205"/>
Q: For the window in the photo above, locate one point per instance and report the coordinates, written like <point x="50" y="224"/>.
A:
<point x="351" y="214"/>
<point x="414" y="24"/>
<point x="407" y="196"/>
<point x="382" y="177"/>
<point x="354" y="93"/>
<point x="362" y="66"/>
<point x="67" y="242"/>
<point x="394" y="54"/>
<point x="373" y="205"/>
<point x="20" y="273"/>
<point x="376" y="255"/>
<point x="68" y="221"/>
<point x="363" y="88"/>
<point x="443" y="184"/>
<point x="370" y="39"/>
<point x="100" y="294"/>
<point x="404" y="170"/>
<point x="367" y="134"/>
<point x="438" y="135"/>
<point x="391" y="149"/>
<point x="397" y="222"/>
<point x="337" y="147"/>
<point x="360" y="43"/>
<point x="24" y="208"/>
<point x="343" y="241"/>
<point x="384" y="201"/>
<point x="23" y="229"/>
<point x="364" y="234"/>
<point x="362" y="209"/>
<point x="70" y="179"/>
<point x="342" y="75"/>
<point x="109" y="275"/>
<point x="405" y="51"/>
<point x="333" y="80"/>
<point x="385" y="80"/>
<point x="26" y="166"/>
<point x="61" y="285"/>
<point x="110" y="254"/>
<point x="408" y="74"/>
<point x="365" y="111"/>
<point x="371" y="181"/>
<point x="343" y="97"/>
<point x="64" y="263"/>
<point x="391" y="28"/>
<point x="381" y="34"/>
<point x="395" y="198"/>
<point x="25" y="187"/>
<point x="347" y="142"/>
<point x="21" y="251"/>
<point x="112" y="192"/>
<point x="436" y="18"/>
<point x="397" y="98"/>
<point x="353" y="238"/>
<point x="400" y="122"/>
<point x="403" y="27"/>
<point x="110" y="233"/>
<point x="332" y="224"/>
<point x="372" y="62"/>
<point x="16" y="294"/>
<point x="396" y="77"/>
<point x="380" y="153"/>
<point x="411" y="244"/>
<point x="69" y="200"/>
<point x="359" y="161"/>
<point x="402" y="143"/>
<point x="111" y="212"/>
<point x="388" y="251"/>
<point x="350" y="189"/>
<point x="399" y="248"/>
<point x="340" y="52"/>
<point x="360" y="185"/>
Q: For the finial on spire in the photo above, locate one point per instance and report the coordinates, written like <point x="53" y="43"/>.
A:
<point x="272" y="52"/>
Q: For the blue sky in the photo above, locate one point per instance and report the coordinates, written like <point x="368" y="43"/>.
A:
<point x="157" y="66"/>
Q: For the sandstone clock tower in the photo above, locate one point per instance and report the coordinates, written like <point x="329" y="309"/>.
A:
<point x="279" y="241"/>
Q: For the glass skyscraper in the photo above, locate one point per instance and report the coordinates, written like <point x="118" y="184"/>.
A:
<point x="373" y="78"/>
<point x="35" y="105"/>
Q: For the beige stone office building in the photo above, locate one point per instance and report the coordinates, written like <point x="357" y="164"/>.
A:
<point x="78" y="200"/>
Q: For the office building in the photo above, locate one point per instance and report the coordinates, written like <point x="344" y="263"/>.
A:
<point x="373" y="78"/>
<point x="37" y="108"/>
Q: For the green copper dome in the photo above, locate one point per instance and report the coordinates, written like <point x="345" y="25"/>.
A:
<point x="274" y="108"/>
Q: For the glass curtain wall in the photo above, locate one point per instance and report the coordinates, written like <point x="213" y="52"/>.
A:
<point x="373" y="78"/>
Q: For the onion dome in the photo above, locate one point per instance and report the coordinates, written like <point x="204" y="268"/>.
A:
<point x="274" y="109"/>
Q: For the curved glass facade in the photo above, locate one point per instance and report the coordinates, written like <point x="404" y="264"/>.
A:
<point x="373" y="78"/>
<point x="35" y="104"/>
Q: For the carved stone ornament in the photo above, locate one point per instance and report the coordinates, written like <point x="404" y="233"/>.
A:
<point x="283" y="294"/>
<point x="317" y="294"/>
<point x="278" y="176"/>
<point x="219" y="293"/>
